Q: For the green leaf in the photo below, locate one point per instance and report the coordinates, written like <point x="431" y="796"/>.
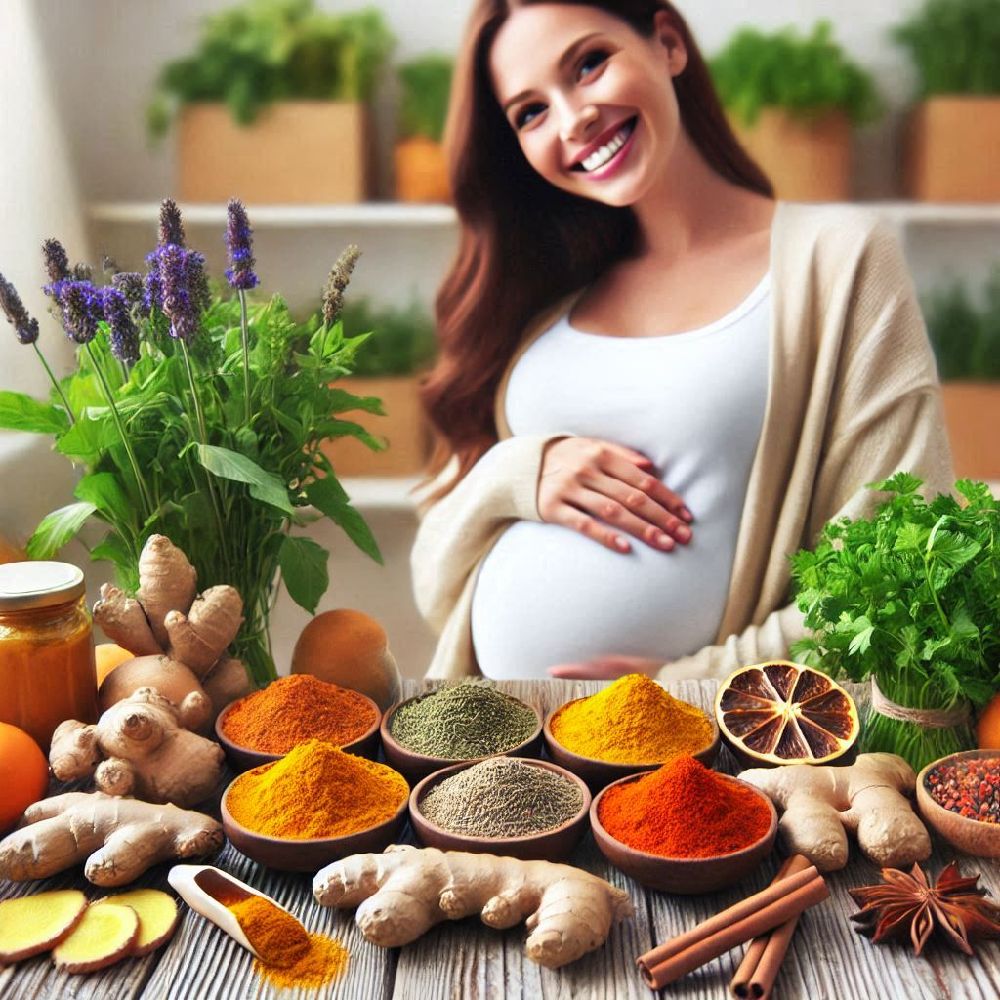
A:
<point x="87" y="439"/>
<point x="953" y="550"/>
<point x="105" y="492"/>
<point x="58" y="528"/>
<point x="227" y="464"/>
<point x="328" y="497"/>
<point x="19" y="412"/>
<point x="116" y="550"/>
<point x="303" y="569"/>
<point x="864" y="630"/>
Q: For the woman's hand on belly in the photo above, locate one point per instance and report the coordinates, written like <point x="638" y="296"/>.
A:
<point x="602" y="489"/>
<point x="605" y="668"/>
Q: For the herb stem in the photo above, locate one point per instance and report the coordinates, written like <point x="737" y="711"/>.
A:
<point x="55" y="382"/>
<point x="245" y="341"/>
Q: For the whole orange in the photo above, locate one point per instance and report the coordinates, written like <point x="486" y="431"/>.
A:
<point x="24" y="774"/>
<point x="108" y="656"/>
<point x="988" y="726"/>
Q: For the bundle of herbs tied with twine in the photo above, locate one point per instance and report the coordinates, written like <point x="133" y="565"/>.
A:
<point x="910" y="599"/>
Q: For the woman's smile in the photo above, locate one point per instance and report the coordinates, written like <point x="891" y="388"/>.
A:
<point x="605" y="156"/>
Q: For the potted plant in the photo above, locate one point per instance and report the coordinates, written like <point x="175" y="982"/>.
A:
<point x="387" y="365"/>
<point x="966" y="340"/>
<point x="954" y="130"/>
<point x="273" y="103"/>
<point x="421" y="172"/>
<point x="199" y="416"/>
<point x="792" y="102"/>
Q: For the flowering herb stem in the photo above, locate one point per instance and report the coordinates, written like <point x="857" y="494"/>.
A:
<point x="245" y="341"/>
<point x="55" y="382"/>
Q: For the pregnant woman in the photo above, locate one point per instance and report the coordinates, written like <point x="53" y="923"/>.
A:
<point x="655" y="382"/>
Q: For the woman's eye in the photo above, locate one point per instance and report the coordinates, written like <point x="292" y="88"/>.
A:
<point x="591" y="62"/>
<point x="527" y="114"/>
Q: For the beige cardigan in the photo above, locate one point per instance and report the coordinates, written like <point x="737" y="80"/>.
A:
<point x="853" y="397"/>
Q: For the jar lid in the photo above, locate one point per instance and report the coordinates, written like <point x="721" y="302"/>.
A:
<point x="27" y="585"/>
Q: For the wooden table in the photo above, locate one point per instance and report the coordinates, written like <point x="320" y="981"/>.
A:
<point x="466" y="960"/>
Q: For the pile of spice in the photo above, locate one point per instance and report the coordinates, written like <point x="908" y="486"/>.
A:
<point x="462" y="722"/>
<point x="632" y="721"/>
<point x="502" y="797"/>
<point x="684" y="810"/>
<point x="294" y="709"/>
<point x="968" y="787"/>
<point x="316" y="790"/>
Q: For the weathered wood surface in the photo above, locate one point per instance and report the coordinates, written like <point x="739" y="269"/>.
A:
<point x="465" y="961"/>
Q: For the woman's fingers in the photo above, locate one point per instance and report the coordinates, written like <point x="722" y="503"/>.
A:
<point x="619" y="518"/>
<point x="605" y="668"/>
<point x="646" y="483"/>
<point x="650" y="520"/>
<point x="579" y="520"/>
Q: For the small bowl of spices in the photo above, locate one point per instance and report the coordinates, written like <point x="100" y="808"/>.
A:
<point x="267" y="724"/>
<point x="959" y="796"/>
<point x="632" y="725"/>
<point x="460" y="723"/>
<point x="312" y="806"/>
<point x="684" y="828"/>
<point x="518" y="808"/>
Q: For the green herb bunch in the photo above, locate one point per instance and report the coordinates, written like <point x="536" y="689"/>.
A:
<point x="966" y="337"/>
<point x="425" y="85"/>
<point x="403" y="342"/>
<point x="911" y="597"/>
<point x="273" y="50"/>
<point x="806" y="76"/>
<point x="954" y="46"/>
<point x="200" y="417"/>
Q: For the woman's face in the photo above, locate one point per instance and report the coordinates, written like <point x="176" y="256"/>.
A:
<point x="590" y="99"/>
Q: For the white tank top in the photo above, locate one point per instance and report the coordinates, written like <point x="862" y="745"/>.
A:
<point x="693" y="402"/>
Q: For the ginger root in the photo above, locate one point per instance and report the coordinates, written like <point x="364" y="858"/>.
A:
<point x="118" y="838"/>
<point x="138" y="747"/>
<point x="105" y="935"/>
<point x="30" y="925"/>
<point x="406" y="891"/>
<point x="171" y="678"/>
<point x="822" y="803"/>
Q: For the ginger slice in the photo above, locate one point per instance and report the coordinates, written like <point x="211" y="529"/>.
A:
<point x="32" y="924"/>
<point x="106" y="933"/>
<point x="157" y="912"/>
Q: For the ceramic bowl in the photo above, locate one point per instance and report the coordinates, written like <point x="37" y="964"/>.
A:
<point x="309" y="855"/>
<point x="243" y="758"/>
<point x="415" y="766"/>
<point x="598" y="773"/>
<point x="684" y="876"/>
<point x="551" y="845"/>
<point x="982" y="840"/>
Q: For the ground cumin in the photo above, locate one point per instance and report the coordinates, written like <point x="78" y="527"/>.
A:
<point x="316" y="790"/>
<point x="289" y="954"/>
<point x="294" y="709"/>
<point x="633" y="721"/>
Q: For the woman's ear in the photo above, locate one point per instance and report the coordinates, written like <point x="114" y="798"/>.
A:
<point x="666" y="34"/>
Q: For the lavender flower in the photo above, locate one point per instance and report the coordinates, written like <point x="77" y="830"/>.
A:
<point x="171" y="227"/>
<point x="339" y="278"/>
<point x="25" y="327"/>
<point x="82" y="309"/>
<point x="240" y="273"/>
<point x="82" y="272"/>
<point x="130" y="284"/>
<point x="124" y="336"/>
<point x="183" y="288"/>
<point x="56" y="261"/>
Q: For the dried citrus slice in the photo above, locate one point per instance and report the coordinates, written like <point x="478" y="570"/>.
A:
<point x="784" y="713"/>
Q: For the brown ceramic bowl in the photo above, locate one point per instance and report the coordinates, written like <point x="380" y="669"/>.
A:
<point x="982" y="840"/>
<point x="243" y="758"/>
<point x="684" y="876"/>
<point x="415" y="766"/>
<point x="309" y="855"/>
<point x="598" y="773"/>
<point x="551" y="845"/>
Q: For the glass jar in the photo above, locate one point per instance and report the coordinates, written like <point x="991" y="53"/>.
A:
<point x="47" y="670"/>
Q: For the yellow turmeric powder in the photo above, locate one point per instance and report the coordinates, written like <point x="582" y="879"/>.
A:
<point x="633" y="721"/>
<point x="317" y="790"/>
<point x="289" y="954"/>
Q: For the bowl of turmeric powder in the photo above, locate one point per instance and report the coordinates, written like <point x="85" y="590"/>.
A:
<point x="265" y="725"/>
<point x="632" y="725"/>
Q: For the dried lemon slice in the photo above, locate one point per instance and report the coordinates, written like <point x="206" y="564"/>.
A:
<point x="784" y="713"/>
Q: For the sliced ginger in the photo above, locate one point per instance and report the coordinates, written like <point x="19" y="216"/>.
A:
<point x="30" y="925"/>
<point x="107" y="932"/>
<point x="157" y="912"/>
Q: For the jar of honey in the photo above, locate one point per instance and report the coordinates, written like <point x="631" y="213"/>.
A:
<point x="47" y="671"/>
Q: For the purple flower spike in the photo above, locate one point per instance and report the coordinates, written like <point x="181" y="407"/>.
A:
<point x="124" y="336"/>
<point x="82" y="310"/>
<point x="240" y="273"/>
<point x="130" y="284"/>
<point x="171" y="227"/>
<point x="56" y="261"/>
<point x="183" y="287"/>
<point x="25" y="327"/>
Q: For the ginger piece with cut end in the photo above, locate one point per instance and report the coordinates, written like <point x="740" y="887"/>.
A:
<point x="407" y="890"/>
<point x="157" y="912"/>
<point x="105" y="935"/>
<point x="124" y="622"/>
<point x="118" y="838"/>
<point x="171" y="678"/>
<point x="30" y="925"/>
<point x="201" y="635"/>
<point x="822" y="803"/>
<point x="167" y="582"/>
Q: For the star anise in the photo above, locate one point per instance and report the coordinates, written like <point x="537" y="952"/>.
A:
<point x="909" y="904"/>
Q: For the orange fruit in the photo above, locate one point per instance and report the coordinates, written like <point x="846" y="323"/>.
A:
<point x="108" y="656"/>
<point x="785" y="713"/>
<point x="988" y="726"/>
<point x="24" y="774"/>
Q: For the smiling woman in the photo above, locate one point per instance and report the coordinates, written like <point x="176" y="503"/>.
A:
<point x="654" y="383"/>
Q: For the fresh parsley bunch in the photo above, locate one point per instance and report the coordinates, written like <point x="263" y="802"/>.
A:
<point x="911" y="597"/>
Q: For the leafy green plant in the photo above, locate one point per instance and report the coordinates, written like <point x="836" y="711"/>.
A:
<point x="954" y="46"/>
<point x="200" y="417"/>
<point x="425" y="85"/>
<point x="273" y="50"/>
<point x="403" y="341"/>
<point x="911" y="597"/>
<point x="806" y="76"/>
<point x="966" y="338"/>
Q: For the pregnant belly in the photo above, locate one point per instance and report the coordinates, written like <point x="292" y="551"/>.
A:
<point x="548" y="595"/>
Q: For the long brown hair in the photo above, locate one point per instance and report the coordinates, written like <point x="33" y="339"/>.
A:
<point x="525" y="244"/>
